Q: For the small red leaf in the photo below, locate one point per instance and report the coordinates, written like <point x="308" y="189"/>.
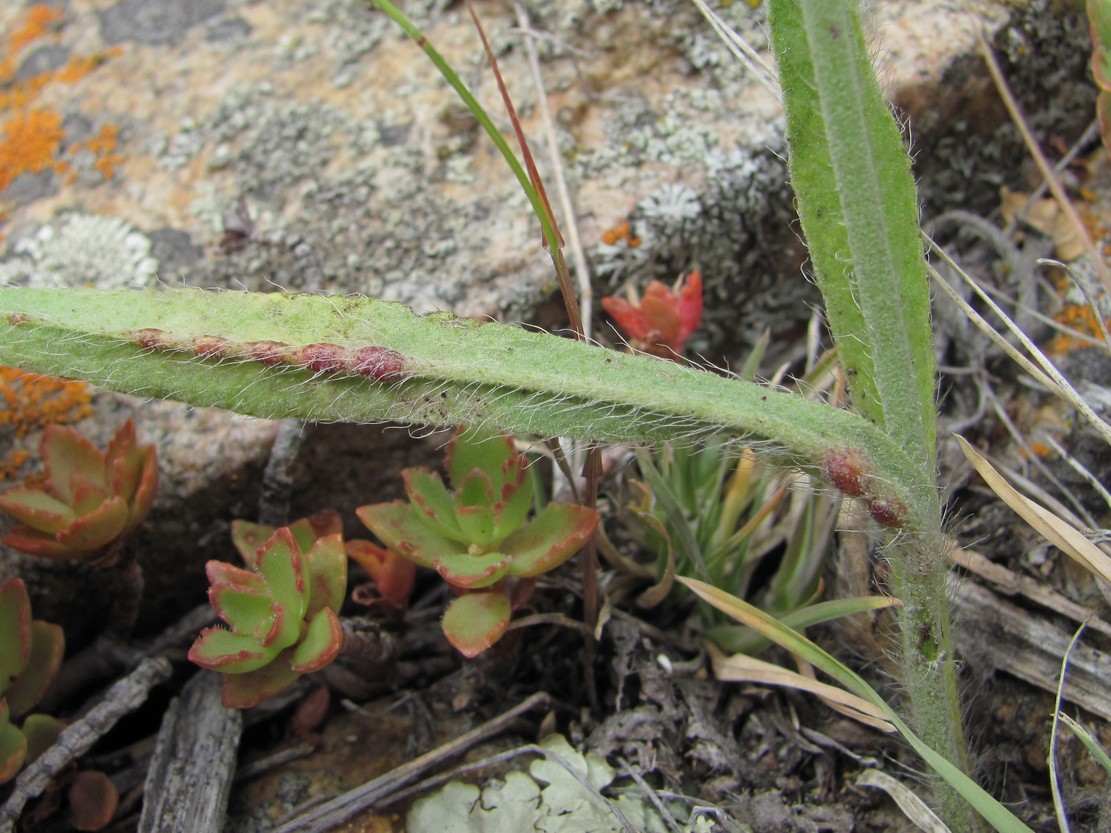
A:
<point x="93" y="800"/>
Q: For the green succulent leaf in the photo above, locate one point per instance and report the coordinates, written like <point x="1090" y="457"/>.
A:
<point x="279" y="561"/>
<point x="513" y="506"/>
<point x="402" y="528"/>
<point x="474" y="622"/>
<point x="486" y="451"/>
<point x="326" y="575"/>
<point x="41" y="731"/>
<point x="248" y="610"/>
<point x="321" y="644"/>
<point x="48" y="645"/>
<point x="430" y="497"/>
<point x="13" y="746"/>
<point x="15" y="630"/>
<point x="477" y="522"/>
<point x="231" y="653"/>
<point x="68" y="455"/>
<point x="552" y="537"/>
<point x="473" y="571"/>
<point x="244" y="691"/>
<point x="247" y="538"/>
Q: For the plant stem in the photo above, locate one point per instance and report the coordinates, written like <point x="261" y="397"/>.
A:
<point x="858" y="209"/>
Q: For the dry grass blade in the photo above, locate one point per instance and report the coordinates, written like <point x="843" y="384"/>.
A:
<point x="1054" y="777"/>
<point x="1047" y="173"/>
<point x="740" y="668"/>
<point x="1048" y="375"/>
<point x="913" y="807"/>
<point x="1062" y="535"/>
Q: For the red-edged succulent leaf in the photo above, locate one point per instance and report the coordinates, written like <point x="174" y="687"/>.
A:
<point x="123" y="461"/>
<point x="513" y="507"/>
<point x="321" y="644"/>
<point x="243" y="691"/>
<point x="36" y="509"/>
<point x="433" y="502"/>
<point x="48" y="645"/>
<point x="550" y="538"/>
<point x="87" y="496"/>
<point x="249" y="611"/>
<point x="393" y="574"/>
<point x="96" y="529"/>
<point x="280" y="563"/>
<point x="13" y="746"/>
<point x="307" y="531"/>
<point x="15" y="630"/>
<point x="475" y="621"/>
<point x="231" y="653"/>
<point x="93" y="800"/>
<point x="220" y="572"/>
<point x="473" y="571"/>
<point x="310" y="713"/>
<point x="41" y="731"/>
<point x="65" y="453"/>
<point x="325" y="522"/>
<point x="326" y="575"/>
<point x="491" y="453"/>
<point x="247" y="538"/>
<point x="33" y="542"/>
<point x="142" y="499"/>
<point x="402" y="529"/>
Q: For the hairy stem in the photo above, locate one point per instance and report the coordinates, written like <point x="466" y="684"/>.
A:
<point x="858" y="209"/>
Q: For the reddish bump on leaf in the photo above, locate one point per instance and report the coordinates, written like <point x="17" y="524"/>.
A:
<point x="268" y="353"/>
<point x="210" y="347"/>
<point x="323" y="358"/>
<point x="849" y="470"/>
<point x="887" y="511"/>
<point x="378" y="363"/>
<point x="149" y="338"/>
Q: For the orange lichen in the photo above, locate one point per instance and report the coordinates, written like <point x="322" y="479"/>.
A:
<point x="39" y="21"/>
<point x="102" y="146"/>
<point x="29" y="402"/>
<point x="621" y="232"/>
<point x="29" y="143"/>
<point x="31" y="137"/>
<point x="1080" y="318"/>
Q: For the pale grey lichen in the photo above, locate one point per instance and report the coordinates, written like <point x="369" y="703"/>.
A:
<point x="81" y="250"/>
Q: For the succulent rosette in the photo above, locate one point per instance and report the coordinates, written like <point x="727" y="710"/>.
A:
<point x="30" y="653"/>
<point x="86" y="499"/>
<point x="661" y="322"/>
<point x="281" y="611"/>
<point x="477" y="536"/>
